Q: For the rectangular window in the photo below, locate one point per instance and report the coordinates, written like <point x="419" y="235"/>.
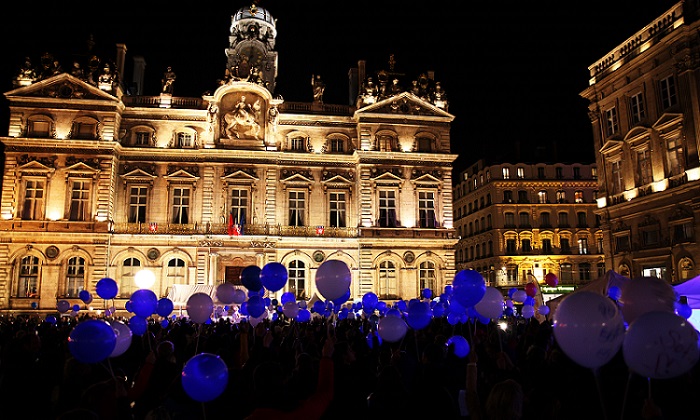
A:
<point x="611" y="121"/>
<point x="650" y="237"/>
<point x="565" y="246"/>
<point x="520" y="172"/>
<point x="29" y="277"/>
<point x="582" y="246"/>
<point x="507" y="196"/>
<point x="127" y="285"/>
<point x="239" y="206"/>
<point x="540" y="173"/>
<point x="337" y="145"/>
<point x="622" y="243"/>
<point x="506" y="173"/>
<point x="578" y="196"/>
<point x="387" y="208"/>
<point x="682" y="232"/>
<point x="337" y="209"/>
<point x="426" y="276"/>
<point x="425" y="144"/>
<point x="387" y="280"/>
<point x="563" y="219"/>
<point x="667" y="90"/>
<point x="185" y="140"/>
<point x="297" y="279"/>
<point x="143" y="138"/>
<point x="636" y="108"/>
<point x="566" y="273"/>
<point x="526" y="245"/>
<point x="297" y="205"/>
<point x="509" y="219"/>
<point x="33" y="204"/>
<point x="176" y="273"/>
<point x="181" y="205"/>
<point x="544" y="220"/>
<point x="510" y="246"/>
<point x="644" y="167"/>
<point x="79" y="201"/>
<point x="542" y="197"/>
<point x="577" y="172"/>
<point x="617" y="179"/>
<point x="84" y="130"/>
<point x="522" y="197"/>
<point x="582" y="221"/>
<point x="546" y="246"/>
<point x="559" y="172"/>
<point x="386" y="144"/>
<point x="599" y="245"/>
<point x="561" y="196"/>
<point x="137" y="204"/>
<point x="39" y="129"/>
<point x="75" y="277"/>
<point x="524" y="219"/>
<point x="426" y="209"/>
<point x="674" y="156"/>
<point x="584" y="271"/>
<point x="298" y="144"/>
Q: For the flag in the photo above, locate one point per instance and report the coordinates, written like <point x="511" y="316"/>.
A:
<point x="153" y="227"/>
<point x="319" y="230"/>
<point x="230" y="229"/>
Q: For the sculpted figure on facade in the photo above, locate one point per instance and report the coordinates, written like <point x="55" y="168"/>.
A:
<point x="243" y="120"/>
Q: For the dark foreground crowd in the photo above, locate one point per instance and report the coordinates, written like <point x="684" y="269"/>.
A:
<point x="327" y="369"/>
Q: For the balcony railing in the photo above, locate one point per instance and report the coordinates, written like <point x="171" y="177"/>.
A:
<point x="222" y="229"/>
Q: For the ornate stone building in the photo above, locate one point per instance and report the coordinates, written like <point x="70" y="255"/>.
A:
<point x="644" y="105"/>
<point x="101" y="182"/>
<point x="516" y="219"/>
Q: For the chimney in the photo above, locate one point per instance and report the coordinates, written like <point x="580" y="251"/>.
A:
<point x="139" y="72"/>
<point x="121" y="55"/>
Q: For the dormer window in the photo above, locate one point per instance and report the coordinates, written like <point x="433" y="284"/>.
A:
<point x="297" y="144"/>
<point x="185" y="140"/>
<point x="84" y="129"/>
<point x="425" y="144"/>
<point x="41" y="127"/>
<point x="337" y="145"/>
<point x="143" y="138"/>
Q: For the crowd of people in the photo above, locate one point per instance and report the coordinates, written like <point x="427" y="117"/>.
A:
<point x="326" y="368"/>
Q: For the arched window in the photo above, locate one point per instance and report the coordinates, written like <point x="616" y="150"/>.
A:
<point x="387" y="281"/>
<point x="75" y="277"/>
<point x="176" y="273"/>
<point x="297" y="278"/>
<point x="28" y="277"/>
<point x="426" y="275"/>
<point x="127" y="286"/>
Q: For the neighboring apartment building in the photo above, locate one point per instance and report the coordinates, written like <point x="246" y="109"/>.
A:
<point x="100" y="182"/>
<point x="644" y="105"/>
<point x="516" y="219"/>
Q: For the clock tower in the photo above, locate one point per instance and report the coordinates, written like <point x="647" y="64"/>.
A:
<point x="251" y="55"/>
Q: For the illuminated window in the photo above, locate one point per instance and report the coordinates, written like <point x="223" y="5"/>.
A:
<point x="297" y="144"/>
<point x="506" y="173"/>
<point x="520" y="172"/>
<point x="127" y="285"/>
<point x="426" y="274"/>
<point x="33" y="204"/>
<point x="85" y="130"/>
<point x="185" y="140"/>
<point x="297" y="206"/>
<point x="181" y="205"/>
<point x="175" y="273"/>
<point x="578" y="196"/>
<point x="542" y="197"/>
<point x="337" y="209"/>
<point x="239" y="206"/>
<point x="561" y="196"/>
<point x="674" y="156"/>
<point x="582" y="246"/>
<point x="637" y="108"/>
<point x="426" y="209"/>
<point x="39" y="128"/>
<point x="79" y="200"/>
<point x="297" y="279"/>
<point x="611" y="124"/>
<point x="667" y="90"/>
<point x="617" y="179"/>
<point x="388" y="287"/>
<point x="137" y="204"/>
<point x="75" y="277"/>
<point x="28" y="277"/>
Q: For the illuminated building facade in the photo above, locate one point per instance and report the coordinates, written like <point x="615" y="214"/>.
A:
<point x="517" y="219"/>
<point x="102" y="182"/>
<point x="644" y="106"/>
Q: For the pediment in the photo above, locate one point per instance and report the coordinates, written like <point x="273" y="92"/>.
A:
<point x="138" y="174"/>
<point x="611" y="146"/>
<point x="34" y="167"/>
<point x="404" y="104"/>
<point x="337" y="179"/>
<point x="181" y="175"/>
<point x="288" y="175"/>
<point x="240" y="176"/>
<point x="427" y="178"/>
<point x="387" y="175"/>
<point x="81" y="168"/>
<point x="61" y="86"/>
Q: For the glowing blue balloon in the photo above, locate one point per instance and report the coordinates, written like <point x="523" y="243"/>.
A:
<point x="92" y="341"/>
<point x="369" y="302"/>
<point x="144" y="302"/>
<point x="419" y="315"/>
<point x="205" y="377"/>
<point x="303" y="316"/>
<point x="468" y="287"/>
<point x="256" y="306"/>
<point x="287" y="297"/>
<point x="138" y="325"/>
<point x="85" y="296"/>
<point x="459" y="344"/>
<point x="250" y="277"/>
<point x="106" y="288"/>
<point x="273" y="276"/>
<point x="164" y="307"/>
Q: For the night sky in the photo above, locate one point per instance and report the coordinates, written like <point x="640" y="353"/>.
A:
<point x="512" y="70"/>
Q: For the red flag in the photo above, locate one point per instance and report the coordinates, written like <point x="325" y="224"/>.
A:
<point x="230" y="225"/>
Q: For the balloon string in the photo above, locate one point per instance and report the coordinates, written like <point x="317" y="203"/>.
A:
<point x="196" y="344"/>
<point x="204" y="411"/>
<point x="600" y="392"/>
<point x="624" y="398"/>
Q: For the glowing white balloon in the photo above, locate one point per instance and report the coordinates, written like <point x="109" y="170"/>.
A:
<point x="144" y="279"/>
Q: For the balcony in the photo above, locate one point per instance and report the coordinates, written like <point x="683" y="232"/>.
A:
<point x="53" y="226"/>
<point x="222" y="229"/>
